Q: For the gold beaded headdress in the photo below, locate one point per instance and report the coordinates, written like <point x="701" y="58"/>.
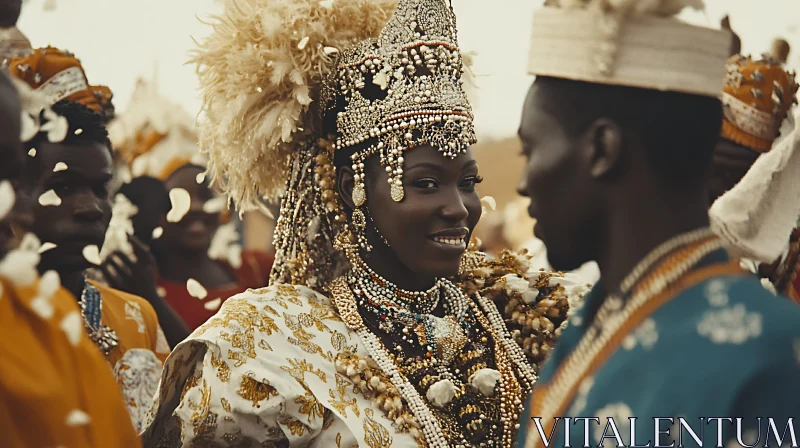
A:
<point x="274" y="75"/>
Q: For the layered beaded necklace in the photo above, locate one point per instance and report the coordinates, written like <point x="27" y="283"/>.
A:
<point x="440" y="356"/>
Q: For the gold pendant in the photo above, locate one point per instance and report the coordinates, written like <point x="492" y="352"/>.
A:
<point x="359" y="194"/>
<point x="449" y="336"/>
<point x="397" y="192"/>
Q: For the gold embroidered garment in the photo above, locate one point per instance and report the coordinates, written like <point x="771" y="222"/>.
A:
<point x="136" y="362"/>
<point x="263" y="372"/>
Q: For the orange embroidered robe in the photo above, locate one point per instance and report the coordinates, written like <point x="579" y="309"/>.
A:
<point x="55" y="387"/>
<point x="137" y="361"/>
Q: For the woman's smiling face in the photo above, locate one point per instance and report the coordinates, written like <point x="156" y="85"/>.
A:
<point x="429" y="229"/>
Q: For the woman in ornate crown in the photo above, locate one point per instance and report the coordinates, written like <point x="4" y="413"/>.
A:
<point x="380" y="328"/>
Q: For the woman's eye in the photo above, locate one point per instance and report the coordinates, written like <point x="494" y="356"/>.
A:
<point x="426" y="184"/>
<point x="471" y="182"/>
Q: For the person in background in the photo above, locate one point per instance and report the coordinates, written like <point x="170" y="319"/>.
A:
<point x="157" y="140"/>
<point x="9" y="12"/>
<point x="66" y="176"/>
<point x="55" y="387"/>
<point x="619" y="146"/>
<point x="185" y="250"/>
<point x="780" y="50"/>
<point x="12" y="41"/>
<point x="753" y="184"/>
<point x="736" y="41"/>
<point x="151" y="198"/>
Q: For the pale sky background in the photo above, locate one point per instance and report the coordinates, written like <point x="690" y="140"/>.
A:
<point x="121" y="40"/>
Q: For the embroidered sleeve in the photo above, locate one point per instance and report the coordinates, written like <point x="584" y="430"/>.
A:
<point x="534" y="303"/>
<point x="248" y="377"/>
<point x="218" y="406"/>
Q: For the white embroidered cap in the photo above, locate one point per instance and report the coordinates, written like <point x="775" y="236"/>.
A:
<point x="638" y="45"/>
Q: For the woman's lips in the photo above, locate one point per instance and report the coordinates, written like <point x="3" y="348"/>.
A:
<point x="456" y="245"/>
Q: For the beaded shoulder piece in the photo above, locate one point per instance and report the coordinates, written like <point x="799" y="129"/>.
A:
<point x="534" y="304"/>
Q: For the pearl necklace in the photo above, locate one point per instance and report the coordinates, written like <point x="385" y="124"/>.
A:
<point x="613" y="314"/>
<point x="417" y="302"/>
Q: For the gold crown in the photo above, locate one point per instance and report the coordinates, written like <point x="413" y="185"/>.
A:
<point x="401" y="90"/>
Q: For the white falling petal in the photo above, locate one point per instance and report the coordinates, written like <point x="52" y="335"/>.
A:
<point x="30" y="243"/>
<point x="161" y="292"/>
<point x="32" y="152"/>
<point x="157" y="232"/>
<point x="49" y="198"/>
<point x="195" y="289"/>
<point x="56" y="127"/>
<point x="489" y="202"/>
<point x="235" y="256"/>
<point x="200" y="178"/>
<point x="213" y="305"/>
<point x="119" y="228"/>
<point x="29" y="128"/>
<point x="49" y="284"/>
<point x="7" y="198"/>
<point x="181" y="202"/>
<point x="19" y="265"/>
<point x="43" y="307"/>
<point x="72" y="325"/>
<point x="92" y="254"/>
<point x="303" y="43"/>
<point x="78" y="418"/>
<point x="330" y="50"/>
<point x="60" y="166"/>
<point x="215" y="205"/>
<point x="78" y="131"/>
<point x="47" y="246"/>
<point x="225" y="245"/>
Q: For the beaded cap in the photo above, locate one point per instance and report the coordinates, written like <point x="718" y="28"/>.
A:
<point x="402" y="90"/>
<point x="757" y="96"/>
<point x="56" y="74"/>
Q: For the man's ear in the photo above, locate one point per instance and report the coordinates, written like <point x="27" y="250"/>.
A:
<point x="604" y="144"/>
<point x="344" y="185"/>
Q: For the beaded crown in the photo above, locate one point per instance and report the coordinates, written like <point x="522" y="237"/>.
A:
<point x="401" y="90"/>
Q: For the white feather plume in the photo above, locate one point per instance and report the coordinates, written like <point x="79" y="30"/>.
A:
<point x="259" y="85"/>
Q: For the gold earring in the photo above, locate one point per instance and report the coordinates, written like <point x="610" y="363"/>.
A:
<point x="359" y="221"/>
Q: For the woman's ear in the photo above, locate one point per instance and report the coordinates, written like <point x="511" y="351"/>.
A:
<point x="344" y="185"/>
